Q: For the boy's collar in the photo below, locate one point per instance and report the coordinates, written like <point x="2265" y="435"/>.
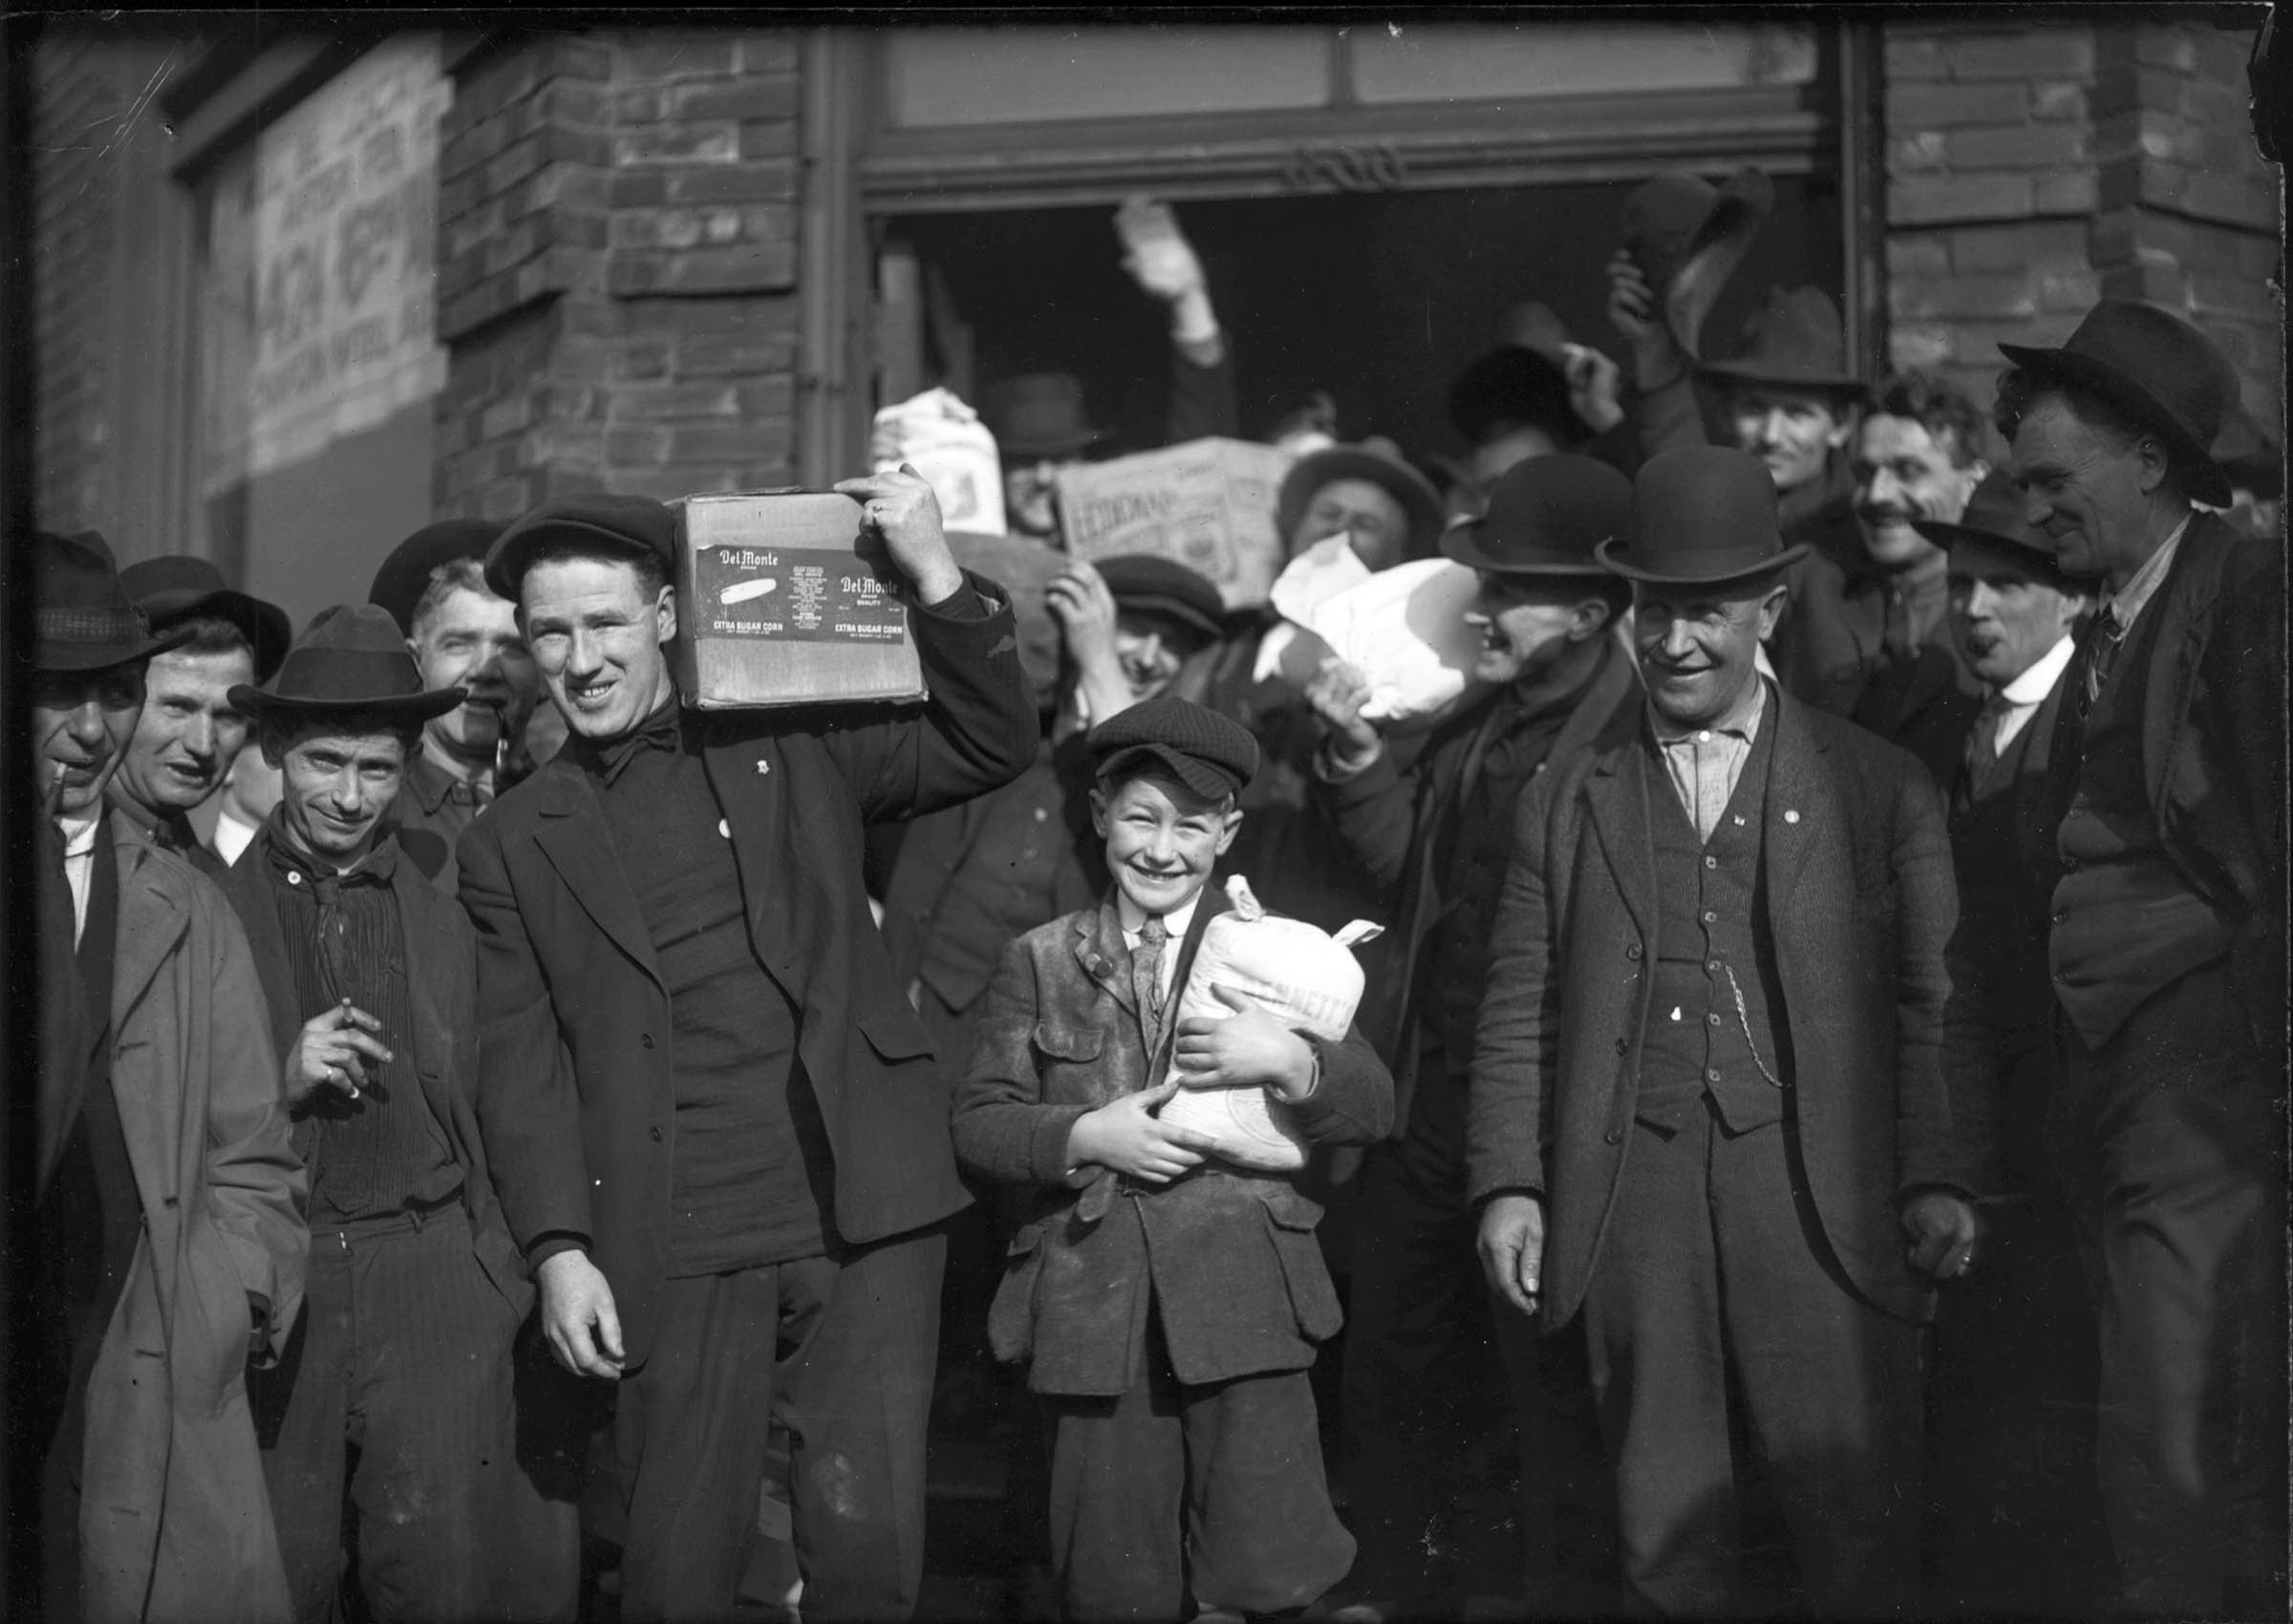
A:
<point x="1132" y="918"/>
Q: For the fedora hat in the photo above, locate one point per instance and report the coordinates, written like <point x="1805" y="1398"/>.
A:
<point x="1688" y="236"/>
<point x="1545" y="516"/>
<point x="2157" y="369"/>
<point x="1701" y="516"/>
<point x="1526" y="380"/>
<point x="1039" y="415"/>
<point x="176" y="588"/>
<point x="1377" y="460"/>
<point x="405" y="574"/>
<point x="82" y="619"/>
<point x="636" y="526"/>
<point x="348" y="659"/>
<point x="1795" y="340"/>
<point x="1994" y="519"/>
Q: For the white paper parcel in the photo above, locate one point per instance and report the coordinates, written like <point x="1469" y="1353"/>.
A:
<point x="945" y="441"/>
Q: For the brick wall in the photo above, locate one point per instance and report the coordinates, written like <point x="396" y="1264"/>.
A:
<point x="618" y="232"/>
<point x="2032" y="170"/>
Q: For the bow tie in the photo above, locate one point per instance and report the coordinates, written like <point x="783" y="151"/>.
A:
<point x="663" y="730"/>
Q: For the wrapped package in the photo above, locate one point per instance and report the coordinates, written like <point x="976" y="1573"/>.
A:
<point x="945" y="441"/>
<point x="1404" y="630"/>
<point x="1304" y="977"/>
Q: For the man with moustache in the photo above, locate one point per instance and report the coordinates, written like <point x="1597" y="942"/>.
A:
<point x="1707" y="1108"/>
<point x="390" y="1408"/>
<point x="189" y="733"/>
<point x="1873" y="642"/>
<point x="2163" y="839"/>
<point x="716" y="1127"/>
<point x="166" y="1226"/>
<point x="462" y="635"/>
<point x="2013" y="1392"/>
<point x="1432" y="829"/>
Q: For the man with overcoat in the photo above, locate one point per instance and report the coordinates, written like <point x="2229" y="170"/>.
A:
<point x="391" y="1406"/>
<point x="1433" y="830"/>
<point x="714" y="1123"/>
<point x="2163" y="835"/>
<point x="166" y="1220"/>
<point x="1707" y="1107"/>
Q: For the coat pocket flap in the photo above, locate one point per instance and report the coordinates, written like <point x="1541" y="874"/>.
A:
<point x="1067" y="1042"/>
<point x="896" y="1035"/>
<point x="1291" y="1211"/>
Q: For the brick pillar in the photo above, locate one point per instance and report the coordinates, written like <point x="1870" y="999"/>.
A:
<point x="2034" y="169"/>
<point x="620" y="250"/>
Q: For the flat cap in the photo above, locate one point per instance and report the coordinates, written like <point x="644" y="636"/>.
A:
<point x="405" y="574"/>
<point x="1211" y="755"/>
<point x="1149" y="585"/>
<point x="636" y="526"/>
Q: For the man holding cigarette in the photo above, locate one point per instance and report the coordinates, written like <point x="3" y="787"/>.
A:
<point x="716" y="1125"/>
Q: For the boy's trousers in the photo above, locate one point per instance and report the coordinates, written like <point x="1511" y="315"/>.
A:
<point x="1169" y="1492"/>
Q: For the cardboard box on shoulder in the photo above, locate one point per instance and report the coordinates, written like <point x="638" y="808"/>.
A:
<point x="783" y="599"/>
<point x="1208" y="503"/>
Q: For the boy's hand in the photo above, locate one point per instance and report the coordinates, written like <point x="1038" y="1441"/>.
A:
<point x="1127" y="1137"/>
<point x="1249" y="1048"/>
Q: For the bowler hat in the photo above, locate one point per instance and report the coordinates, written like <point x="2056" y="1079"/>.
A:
<point x="636" y="526"/>
<point x="1377" y="460"/>
<point x="1545" y="516"/>
<point x="176" y="588"/>
<point x="1994" y="519"/>
<point x="405" y="574"/>
<point x="1688" y="236"/>
<point x="1795" y="340"/>
<point x="1701" y="516"/>
<point x="1524" y="381"/>
<point x="82" y="619"/>
<point x="1150" y="585"/>
<point x="348" y="659"/>
<point x="2157" y="369"/>
<point x="1213" y="755"/>
<point x="1039" y="415"/>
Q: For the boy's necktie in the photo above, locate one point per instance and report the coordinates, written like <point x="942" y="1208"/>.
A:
<point x="1146" y="977"/>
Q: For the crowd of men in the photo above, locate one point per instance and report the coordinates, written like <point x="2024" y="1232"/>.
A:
<point x="1833" y="988"/>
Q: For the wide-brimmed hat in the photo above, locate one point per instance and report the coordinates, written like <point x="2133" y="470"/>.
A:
<point x="1545" y="516"/>
<point x="1688" y="236"/>
<point x="349" y="658"/>
<point x="82" y="619"/>
<point x="1795" y="340"/>
<point x="1994" y="519"/>
<point x="1148" y="584"/>
<point x="2157" y="369"/>
<point x="1039" y="415"/>
<point x="176" y="588"/>
<point x="1701" y="516"/>
<point x="636" y="526"/>
<point x="1377" y="460"/>
<point x="1524" y="380"/>
<point x="405" y="574"/>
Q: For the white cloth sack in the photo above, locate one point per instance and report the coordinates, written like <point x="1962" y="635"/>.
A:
<point x="1404" y="630"/>
<point x="955" y="453"/>
<point x="1301" y="976"/>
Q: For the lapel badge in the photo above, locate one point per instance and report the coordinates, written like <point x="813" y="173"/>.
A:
<point x="1791" y="815"/>
<point x="724" y="827"/>
<point x="763" y="767"/>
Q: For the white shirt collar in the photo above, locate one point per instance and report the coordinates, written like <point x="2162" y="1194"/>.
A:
<point x="2125" y="605"/>
<point x="80" y="834"/>
<point x="1178" y="921"/>
<point x="2034" y="684"/>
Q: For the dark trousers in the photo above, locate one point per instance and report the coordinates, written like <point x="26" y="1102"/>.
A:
<point x="395" y="1393"/>
<point x="1714" y="1276"/>
<point x="1457" y="1425"/>
<point x="2172" y="1156"/>
<point x="1170" y="1490"/>
<point x="839" y="1349"/>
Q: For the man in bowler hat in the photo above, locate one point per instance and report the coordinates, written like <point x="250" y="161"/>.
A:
<point x="2162" y="835"/>
<point x="190" y="733"/>
<point x="1707" y="1109"/>
<point x="716" y="1125"/>
<point x="165" y="1222"/>
<point x="463" y="635"/>
<point x="1433" y="829"/>
<point x="391" y="1407"/>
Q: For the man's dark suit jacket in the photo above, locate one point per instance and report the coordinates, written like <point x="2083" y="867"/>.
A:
<point x="574" y="1021"/>
<point x="1390" y="815"/>
<point x="441" y="975"/>
<point x="1860" y="903"/>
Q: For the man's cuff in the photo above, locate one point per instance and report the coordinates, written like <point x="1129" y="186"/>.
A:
<point x="258" y="1308"/>
<point x="548" y="1246"/>
<point x="964" y="602"/>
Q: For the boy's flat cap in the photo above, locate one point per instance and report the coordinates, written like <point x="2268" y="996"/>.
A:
<point x="1211" y="755"/>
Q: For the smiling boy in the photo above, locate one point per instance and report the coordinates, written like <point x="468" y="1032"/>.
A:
<point x="1170" y="1303"/>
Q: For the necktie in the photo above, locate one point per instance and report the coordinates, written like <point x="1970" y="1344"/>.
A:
<point x="2101" y="651"/>
<point x="1983" y="744"/>
<point x="1146" y="978"/>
